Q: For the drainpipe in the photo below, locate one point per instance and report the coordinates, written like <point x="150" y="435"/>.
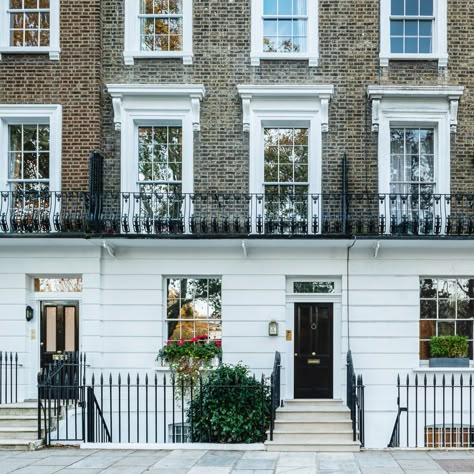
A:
<point x="347" y="292"/>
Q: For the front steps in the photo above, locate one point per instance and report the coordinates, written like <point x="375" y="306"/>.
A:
<point x="313" y="425"/>
<point x="19" y="426"/>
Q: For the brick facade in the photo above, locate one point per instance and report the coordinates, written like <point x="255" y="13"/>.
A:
<point x="72" y="82"/>
<point x="349" y="44"/>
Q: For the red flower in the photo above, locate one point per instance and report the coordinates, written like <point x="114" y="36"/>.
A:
<point x="218" y="343"/>
<point x="180" y="343"/>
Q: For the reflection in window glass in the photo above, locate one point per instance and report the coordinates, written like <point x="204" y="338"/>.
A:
<point x="194" y="308"/>
<point x="29" y="23"/>
<point x="284" y="26"/>
<point x="58" y="285"/>
<point x="313" y="287"/>
<point x="446" y="309"/>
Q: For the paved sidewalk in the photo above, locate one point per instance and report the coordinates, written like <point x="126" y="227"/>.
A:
<point x="77" y="461"/>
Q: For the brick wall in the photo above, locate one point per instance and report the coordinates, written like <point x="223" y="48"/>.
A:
<point x="73" y="82"/>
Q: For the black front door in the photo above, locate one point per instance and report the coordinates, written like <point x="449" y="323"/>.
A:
<point x="313" y="350"/>
<point x="59" y="330"/>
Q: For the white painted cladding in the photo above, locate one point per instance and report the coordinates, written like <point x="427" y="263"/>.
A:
<point x="122" y="306"/>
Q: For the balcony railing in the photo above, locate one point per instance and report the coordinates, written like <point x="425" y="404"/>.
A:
<point x="235" y="215"/>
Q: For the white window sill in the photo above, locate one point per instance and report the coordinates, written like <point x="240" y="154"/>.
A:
<point x="53" y="53"/>
<point x="386" y="58"/>
<point x="425" y="369"/>
<point x="313" y="61"/>
<point x="130" y="56"/>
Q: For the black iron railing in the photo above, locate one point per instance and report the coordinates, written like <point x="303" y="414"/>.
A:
<point x="434" y="412"/>
<point x="275" y="391"/>
<point x="138" y="409"/>
<point x="355" y="401"/>
<point x="8" y="377"/>
<point x="221" y="215"/>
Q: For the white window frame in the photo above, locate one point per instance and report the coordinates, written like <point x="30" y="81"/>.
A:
<point x="25" y="114"/>
<point x="417" y="106"/>
<point x="136" y="105"/>
<point x="257" y="54"/>
<point x="53" y="49"/>
<point x="440" y="36"/>
<point x="280" y="106"/>
<point x="132" y="35"/>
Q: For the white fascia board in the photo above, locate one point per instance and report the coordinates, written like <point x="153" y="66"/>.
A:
<point x="414" y="91"/>
<point x="121" y="90"/>
<point x="286" y="90"/>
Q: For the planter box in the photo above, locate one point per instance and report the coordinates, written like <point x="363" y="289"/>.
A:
<point x="449" y="362"/>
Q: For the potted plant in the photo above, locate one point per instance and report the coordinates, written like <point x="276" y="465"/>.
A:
<point x="449" y="351"/>
<point x="186" y="358"/>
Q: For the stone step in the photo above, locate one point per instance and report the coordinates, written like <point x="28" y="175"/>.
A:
<point x="314" y="415"/>
<point x="329" y="426"/>
<point x="25" y="432"/>
<point x="313" y="402"/>
<point x="26" y="408"/>
<point x="305" y="437"/>
<point x="18" y="420"/>
<point x="342" y="447"/>
<point x="20" y="444"/>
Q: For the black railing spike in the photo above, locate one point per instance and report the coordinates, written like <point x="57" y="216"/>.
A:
<point x="93" y="380"/>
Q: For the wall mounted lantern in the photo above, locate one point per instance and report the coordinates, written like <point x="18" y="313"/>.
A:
<point x="29" y="313"/>
<point x="273" y="328"/>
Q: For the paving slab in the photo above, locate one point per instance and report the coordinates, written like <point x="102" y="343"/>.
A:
<point x="96" y="462"/>
<point x="218" y="459"/>
<point x="255" y="464"/>
<point x="295" y="470"/>
<point x="297" y="460"/>
<point x="210" y="470"/>
<point x="146" y="461"/>
<point x="53" y="460"/>
<point x="456" y="465"/>
<point x="420" y="464"/>
<point x="381" y="470"/>
<point x="38" y="470"/>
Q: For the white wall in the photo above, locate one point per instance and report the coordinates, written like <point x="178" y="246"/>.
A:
<point x="122" y="305"/>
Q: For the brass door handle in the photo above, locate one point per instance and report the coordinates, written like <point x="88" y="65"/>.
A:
<point x="296" y="354"/>
<point x="313" y="353"/>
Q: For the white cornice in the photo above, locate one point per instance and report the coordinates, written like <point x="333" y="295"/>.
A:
<point x="166" y="90"/>
<point x="194" y="92"/>
<point x="451" y="94"/>
<point x="414" y="91"/>
<point x="286" y="90"/>
<point x="323" y="93"/>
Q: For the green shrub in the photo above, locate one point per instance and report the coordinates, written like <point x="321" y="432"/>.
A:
<point x="231" y="407"/>
<point x="449" y="346"/>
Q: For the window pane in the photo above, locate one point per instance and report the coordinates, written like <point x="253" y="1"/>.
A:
<point x="70" y="329"/>
<point x="464" y="328"/>
<point x="426" y="7"/>
<point x="411" y="28"/>
<point x="447" y="309"/>
<point x="284" y="28"/>
<point x="446" y="328"/>
<point x="427" y="329"/>
<point x="51" y="329"/>
<point x="270" y="7"/>
<point x="270" y="28"/>
<point x="314" y="287"/>
<point x="425" y="46"/>
<point x="424" y="350"/>
<point x="428" y="288"/>
<point x="425" y="28"/>
<point x="299" y="7"/>
<point x="428" y="309"/>
<point x="411" y="7"/>
<point x="396" y="28"/>
<point x="397" y="7"/>
<point x="58" y="285"/>
<point x="411" y="45"/>
<point x="299" y="27"/>
<point x="396" y="45"/>
<point x="284" y="7"/>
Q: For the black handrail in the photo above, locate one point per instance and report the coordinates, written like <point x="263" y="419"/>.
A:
<point x="355" y="401"/>
<point x="8" y="377"/>
<point x="97" y="429"/>
<point x="275" y="391"/>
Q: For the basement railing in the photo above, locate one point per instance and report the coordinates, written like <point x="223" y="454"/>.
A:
<point x="275" y="383"/>
<point x="230" y="215"/>
<point x="434" y="412"/>
<point x="8" y="377"/>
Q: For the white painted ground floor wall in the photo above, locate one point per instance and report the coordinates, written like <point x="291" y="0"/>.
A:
<point x="122" y="305"/>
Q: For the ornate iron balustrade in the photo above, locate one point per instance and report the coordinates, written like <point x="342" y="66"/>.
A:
<point x="223" y="215"/>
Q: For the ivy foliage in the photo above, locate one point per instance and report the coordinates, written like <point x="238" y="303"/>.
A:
<point x="230" y="407"/>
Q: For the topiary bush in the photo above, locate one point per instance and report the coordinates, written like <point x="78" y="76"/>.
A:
<point x="449" y="346"/>
<point x="231" y="406"/>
